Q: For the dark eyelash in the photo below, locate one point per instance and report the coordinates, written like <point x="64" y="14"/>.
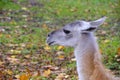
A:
<point x="66" y="31"/>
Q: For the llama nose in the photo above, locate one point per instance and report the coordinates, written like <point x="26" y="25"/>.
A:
<point x="48" y="35"/>
<point x="51" y="33"/>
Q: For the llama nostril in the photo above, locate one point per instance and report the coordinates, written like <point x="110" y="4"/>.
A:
<point x="48" y="35"/>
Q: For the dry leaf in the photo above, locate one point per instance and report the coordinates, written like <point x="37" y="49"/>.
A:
<point x="118" y="51"/>
<point x="13" y="60"/>
<point x="60" y="53"/>
<point x="73" y="9"/>
<point x="1" y="63"/>
<point x="51" y="67"/>
<point x="24" y="77"/>
<point x="15" y="51"/>
<point x="8" y="36"/>
<point x="27" y="56"/>
<point x="17" y="76"/>
<point x="47" y="48"/>
<point x="13" y="56"/>
<point x="29" y="72"/>
<point x="13" y="23"/>
<point x="46" y="73"/>
<point x="9" y="72"/>
<point x="106" y="41"/>
<point x="61" y="76"/>
<point x="100" y="51"/>
<point x="44" y="26"/>
<point x="24" y="8"/>
<point x="60" y="48"/>
<point x="61" y="57"/>
<point x="35" y="74"/>
<point x="1" y="35"/>
<point x="73" y="59"/>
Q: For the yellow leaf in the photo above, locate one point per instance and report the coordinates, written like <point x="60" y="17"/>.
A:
<point x="27" y="56"/>
<point x="9" y="72"/>
<point x="24" y="77"/>
<point x="13" y="22"/>
<point x="17" y="76"/>
<point x="1" y="35"/>
<point x="29" y="72"/>
<point x="61" y="57"/>
<point x="35" y="74"/>
<point x="15" y="51"/>
<point x="29" y="45"/>
<point x="1" y="63"/>
<point x="61" y="76"/>
<point x="100" y="51"/>
<point x="118" y="51"/>
<point x="73" y="59"/>
<point x="24" y="8"/>
<point x="106" y="41"/>
<point x="73" y="9"/>
<point x="8" y="36"/>
<point x="60" y="48"/>
<point x="44" y="25"/>
<point x="13" y="56"/>
<point x="46" y="73"/>
<point x="47" y="48"/>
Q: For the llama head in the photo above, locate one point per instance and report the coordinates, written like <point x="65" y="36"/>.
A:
<point x="71" y="33"/>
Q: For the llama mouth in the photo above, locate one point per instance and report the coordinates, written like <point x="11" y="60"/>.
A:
<point x="51" y="43"/>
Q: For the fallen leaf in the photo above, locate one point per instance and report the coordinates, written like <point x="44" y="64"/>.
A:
<point x="27" y="56"/>
<point x="35" y="74"/>
<point x="60" y="53"/>
<point x="118" y="60"/>
<point x="24" y="77"/>
<point x="13" y="23"/>
<point x="60" y="48"/>
<point x="47" y="48"/>
<point x="9" y="72"/>
<point x="106" y="41"/>
<point x="61" y="76"/>
<point x="73" y="59"/>
<point x="8" y="36"/>
<point x="28" y="72"/>
<point x="1" y="63"/>
<point x="13" y="56"/>
<point x="100" y="51"/>
<point x="44" y="25"/>
<point x="51" y="67"/>
<point x="1" y="35"/>
<point x="61" y="57"/>
<point x="13" y="60"/>
<point x="24" y="16"/>
<point x="46" y="73"/>
<point x="24" y="8"/>
<point x="73" y="9"/>
<point x="118" y="51"/>
<point x="17" y="76"/>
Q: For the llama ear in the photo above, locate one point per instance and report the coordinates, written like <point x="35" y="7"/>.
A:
<point x="94" y="24"/>
<point x="98" y="22"/>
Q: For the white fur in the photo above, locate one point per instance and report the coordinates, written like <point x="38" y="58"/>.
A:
<point x="89" y="65"/>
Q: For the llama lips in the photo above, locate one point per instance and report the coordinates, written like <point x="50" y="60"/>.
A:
<point x="50" y="43"/>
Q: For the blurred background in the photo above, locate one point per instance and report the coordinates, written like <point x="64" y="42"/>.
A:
<point x="24" y="25"/>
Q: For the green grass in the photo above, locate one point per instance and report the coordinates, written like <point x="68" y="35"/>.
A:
<point x="32" y="32"/>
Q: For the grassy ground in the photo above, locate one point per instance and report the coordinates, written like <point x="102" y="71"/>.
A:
<point x="24" y="25"/>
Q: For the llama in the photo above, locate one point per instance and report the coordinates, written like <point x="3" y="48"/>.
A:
<point x="79" y="35"/>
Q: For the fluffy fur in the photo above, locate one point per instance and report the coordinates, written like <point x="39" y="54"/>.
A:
<point x="80" y="36"/>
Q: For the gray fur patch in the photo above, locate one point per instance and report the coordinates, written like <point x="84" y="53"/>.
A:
<point x="75" y="23"/>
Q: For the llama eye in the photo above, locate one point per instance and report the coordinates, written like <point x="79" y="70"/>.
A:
<point x="66" y="31"/>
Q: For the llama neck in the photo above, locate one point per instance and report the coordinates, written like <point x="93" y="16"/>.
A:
<point x="84" y="53"/>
